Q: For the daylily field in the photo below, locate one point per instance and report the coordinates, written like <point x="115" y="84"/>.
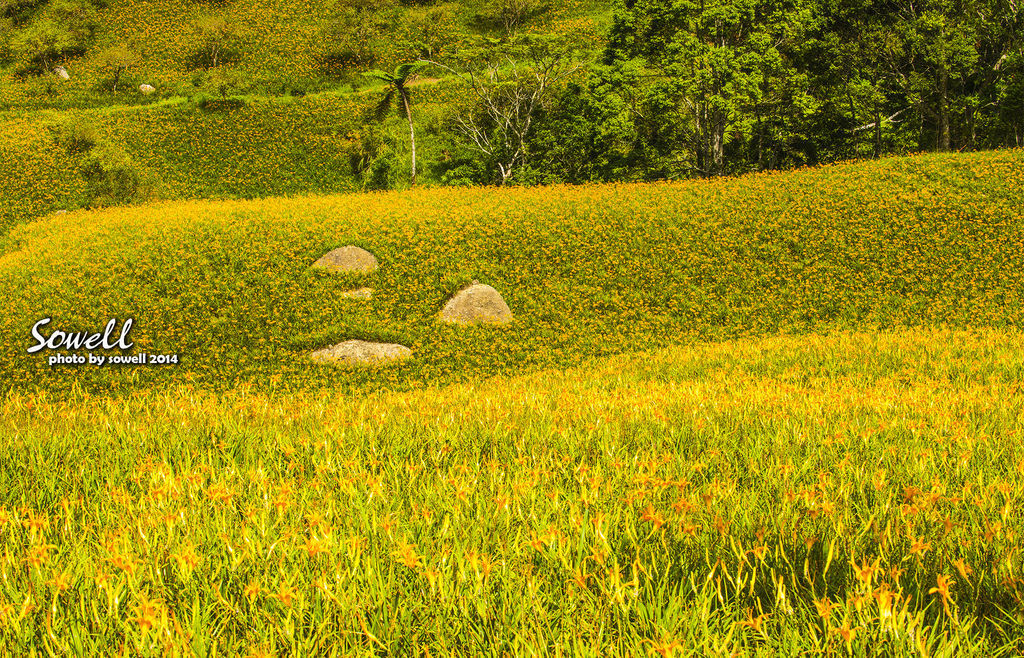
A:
<point x="772" y="415"/>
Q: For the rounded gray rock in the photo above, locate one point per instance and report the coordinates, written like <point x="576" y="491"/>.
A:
<point x="147" y="89"/>
<point x="361" y="352"/>
<point x="476" y="304"/>
<point x="348" y="259"/>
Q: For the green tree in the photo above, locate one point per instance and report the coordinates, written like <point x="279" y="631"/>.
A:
<point x="399" y="97"/>
<point x="589" y="133"/>
<point x="511" y="83"/>
<point x="511" y="15"/>
<point x="116" y="60"/>
<point x="60" y="31"/>
<point x="218" y="36"/>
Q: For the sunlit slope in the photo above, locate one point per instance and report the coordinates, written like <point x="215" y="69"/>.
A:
<point x="227" y="285"/>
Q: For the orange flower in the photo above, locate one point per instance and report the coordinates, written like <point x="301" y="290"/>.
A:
<point x="754" y="622"/>
<point x="964" y="569"/>
<point x="919" y="545"/>
<point x="61" y="581"/>
<point x="649" y="514"/>
<point x="666" y="647"/>
<point x="846" y="632"/>
<point x="314" y="546"/>
<point x="406" y="554"/>
<point x="286" y="594"/>
<point x="252" y="590"/>
<point x="865" y="573"/>
<point x="942" y="583"/>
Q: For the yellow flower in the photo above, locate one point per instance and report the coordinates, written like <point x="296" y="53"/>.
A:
<point x="406" y="554"/>
<point x="39" y="555"/>
<point x="286" y="594"/>
<point x="146" y="613"/>
<point x="186" y="557"/>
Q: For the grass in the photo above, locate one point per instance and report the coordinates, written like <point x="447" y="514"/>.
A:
<point x="921" y="241"/>
<point x="843" y="493"/>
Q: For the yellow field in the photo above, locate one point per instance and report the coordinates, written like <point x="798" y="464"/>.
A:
<point x="774" y="415"/>
<point x="851" y="492"/>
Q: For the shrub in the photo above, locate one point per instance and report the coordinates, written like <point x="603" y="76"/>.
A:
<point x="115" y="61"/>
<point x="349" y="38"/>
<point x="113" y="178"/>
<point x="219" y="82"/>
<point x="63" y="30"/>
<point x="510" y="15"/>
<point x="76" y="135"/>
<point x="20" y="11"/>
<point x="208" y="104"/>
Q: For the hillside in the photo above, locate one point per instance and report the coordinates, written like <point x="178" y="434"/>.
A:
<point x="262" y="98"/>
<point x="760" y="393"/>
<point x="270" y="47"/>
<point x="268" y="147"/>
<point x="927" y="240"/>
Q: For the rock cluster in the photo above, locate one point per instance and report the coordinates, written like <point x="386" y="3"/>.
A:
<point x="474" y="305"/>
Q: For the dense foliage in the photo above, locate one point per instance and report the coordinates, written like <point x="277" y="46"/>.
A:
<point x="736" y="85"/>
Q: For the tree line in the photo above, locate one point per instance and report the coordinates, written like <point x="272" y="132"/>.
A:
<point x="679" y="88"/>
<point x="698" y="88"/>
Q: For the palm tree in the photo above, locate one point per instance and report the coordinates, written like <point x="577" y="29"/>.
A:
<point x="398" y="89"/>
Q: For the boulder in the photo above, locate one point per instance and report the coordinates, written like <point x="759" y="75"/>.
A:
<point x="348" y="259"/>
<point x="61" y="72"/>
<point x="358" y="293"/>
<point x="476" y="304"/>
<point x="147" y="89"/>
<point x="360" y="352"/>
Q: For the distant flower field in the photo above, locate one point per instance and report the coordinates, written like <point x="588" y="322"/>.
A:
<point x="851" y="493"/>
<point x="927" y="241"/>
